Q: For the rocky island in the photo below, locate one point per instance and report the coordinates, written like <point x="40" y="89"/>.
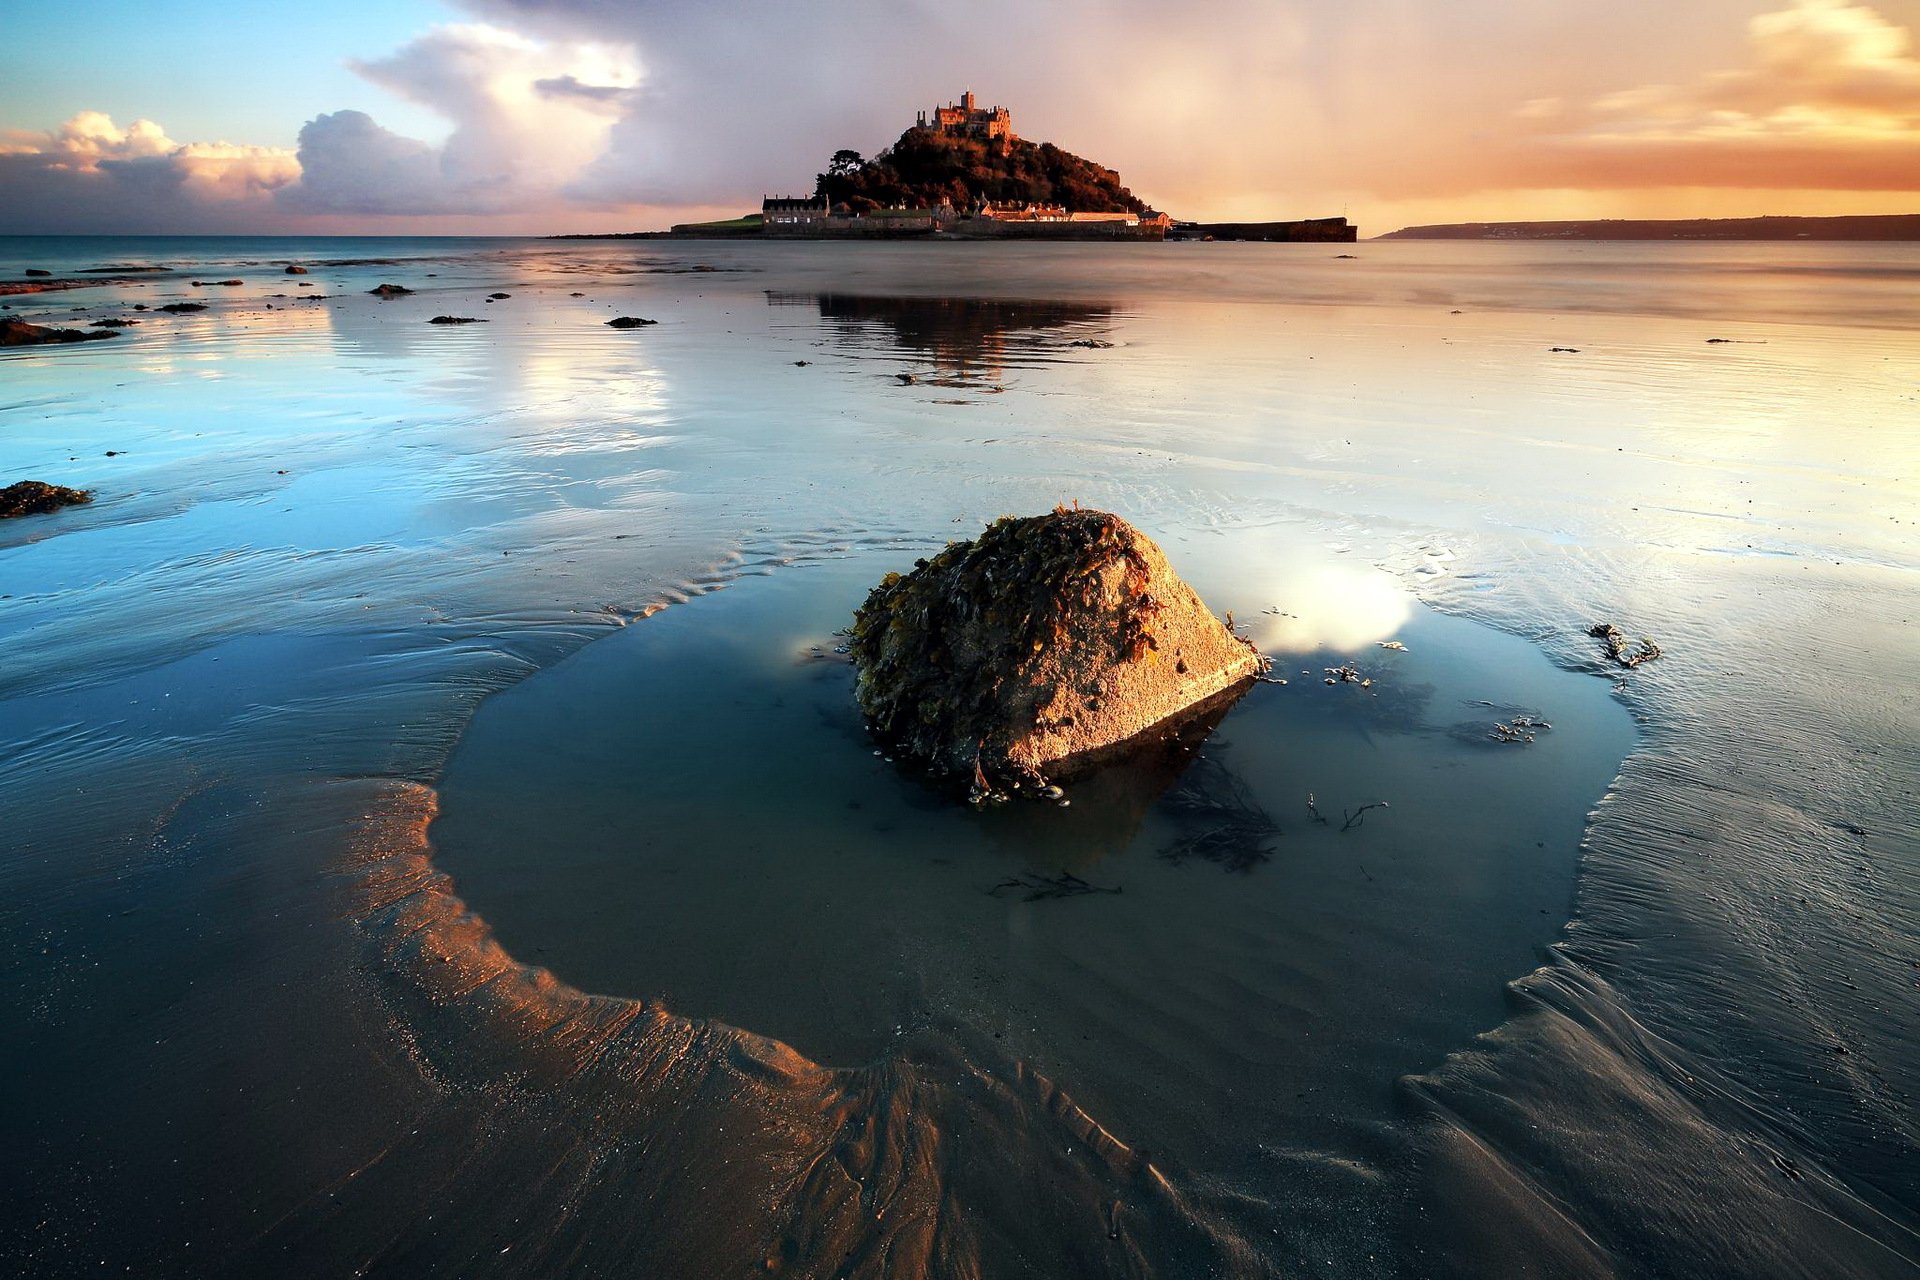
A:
<point x="961" y="172"/>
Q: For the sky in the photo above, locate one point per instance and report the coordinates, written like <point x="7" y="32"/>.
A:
<point x="434" y="117"/>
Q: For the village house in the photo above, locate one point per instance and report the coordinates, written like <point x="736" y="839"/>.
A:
<point x="792" y="211"/>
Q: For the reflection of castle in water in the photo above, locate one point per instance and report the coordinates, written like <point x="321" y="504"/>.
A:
<point x="963" y="338"/>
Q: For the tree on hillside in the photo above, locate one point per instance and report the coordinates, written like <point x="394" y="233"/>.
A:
<point x="925" y="167"/>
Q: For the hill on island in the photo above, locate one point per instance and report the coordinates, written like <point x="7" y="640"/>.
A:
<point x="926" y="166"/>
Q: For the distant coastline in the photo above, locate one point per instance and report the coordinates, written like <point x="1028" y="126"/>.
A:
<point x="1892" y="226"/>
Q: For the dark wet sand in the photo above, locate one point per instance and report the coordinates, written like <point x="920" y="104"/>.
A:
<point x="263" y="1032"/>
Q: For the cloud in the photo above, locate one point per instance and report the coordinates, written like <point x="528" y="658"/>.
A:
<point x="1830" y="100"/>
<point x="528" y="117"/>
<point x="742" y="99"/>
<point x="89" y="175"/>
<point x="607" y="114"/>
<point x="349" y="164"/>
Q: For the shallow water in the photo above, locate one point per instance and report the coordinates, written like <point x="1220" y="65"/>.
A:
<point x="340" y="578"/>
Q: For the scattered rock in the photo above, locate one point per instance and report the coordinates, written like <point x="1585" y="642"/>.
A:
<point x="628" y="322"/>
<point x="208" y="284"/>
<point x="1034" y="887"/>
<point x="456" y="320"/>
<point x="390" y="291"/>
<point x="906" y="379"/>
<point x="1394" y="645"/>
<point x="182" y="308"/>
<point x="1347" y="673"/>
<point x="1349" y="256"/>
<point x="1618" y="647"/>
<point x="296" y="271"/>
<point x="115" y="323"/>
<point x="1572" y="351"/>
<point x="495" y="297"/>
<point x="18" y="333"/>
<point x="1040" y="647"/>
<point x="801" y="364"/>
<point x="36" y="271"/>
<point x="576" y="295"/>
<point x="1092" y="344"/>
<point x="1518" y="730"/>
<point x="36" y="497"/>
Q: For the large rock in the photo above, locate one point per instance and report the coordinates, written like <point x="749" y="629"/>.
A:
<point x="18" y="333"/>
<point x="36" y="497"/>
<point x="1037" y="649"/>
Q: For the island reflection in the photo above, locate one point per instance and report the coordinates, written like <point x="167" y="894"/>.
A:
<point x="965" y="340"/>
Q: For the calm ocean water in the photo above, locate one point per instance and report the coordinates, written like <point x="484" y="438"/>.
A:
<point x="439" y="841"/>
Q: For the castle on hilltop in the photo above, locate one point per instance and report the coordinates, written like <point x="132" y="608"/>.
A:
<point x="971" y="120"/>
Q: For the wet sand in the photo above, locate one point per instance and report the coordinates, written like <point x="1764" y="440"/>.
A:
<point x="358" y="595"/>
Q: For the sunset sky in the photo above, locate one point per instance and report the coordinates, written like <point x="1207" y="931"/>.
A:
<point x="483" y="116"/>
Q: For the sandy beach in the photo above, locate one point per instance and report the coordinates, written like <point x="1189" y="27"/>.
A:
<point x="443" y="841"/>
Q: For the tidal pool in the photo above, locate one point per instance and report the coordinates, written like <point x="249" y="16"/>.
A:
<point x="690" y="812"/>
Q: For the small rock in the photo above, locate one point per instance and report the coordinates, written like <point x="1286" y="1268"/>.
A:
<point x="456" y="320"/>
<point x="1618" y="648"/>
<point x="390" y="291"/>
<point x="182" y="308"/>
<point x="296" y="271"/>
<point x="628" y="322"/>
<point x="36" y="271"/>
<point x="494" y="297"/>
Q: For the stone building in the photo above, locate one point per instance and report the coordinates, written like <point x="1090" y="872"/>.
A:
<point x="967" y="117"/>
<point x="792" y="211"/>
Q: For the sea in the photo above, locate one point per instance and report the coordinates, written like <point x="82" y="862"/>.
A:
<point x="438" y="838"/>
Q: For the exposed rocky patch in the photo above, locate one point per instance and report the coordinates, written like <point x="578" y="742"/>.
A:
<point x="18" y="333"/>
<point x="36" y="497"/>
